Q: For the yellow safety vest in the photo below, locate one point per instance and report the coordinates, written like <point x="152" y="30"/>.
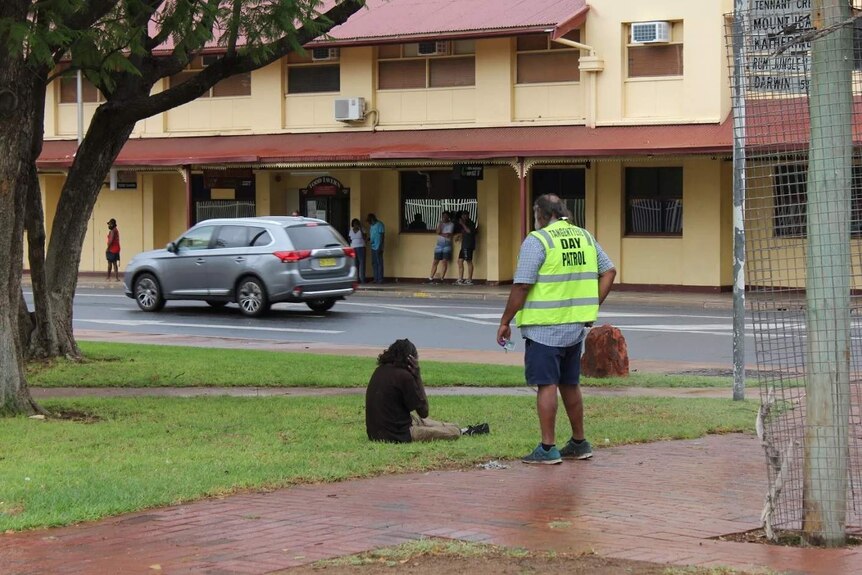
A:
<point x="567" y="289"/>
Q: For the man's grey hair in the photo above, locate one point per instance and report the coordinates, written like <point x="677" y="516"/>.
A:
<point x="550" y="206"/>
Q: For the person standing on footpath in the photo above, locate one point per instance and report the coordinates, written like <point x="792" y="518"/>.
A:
<point x="357" y="242"/>
<point x="376" y="233"/>
<point x="443" y="247"/>
<point x="562" y="278"/>
<point x="467" y="229"/>
<point x="112" y="253"/>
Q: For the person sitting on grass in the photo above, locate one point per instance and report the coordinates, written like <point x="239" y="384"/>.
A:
<point x="395" y="392"/>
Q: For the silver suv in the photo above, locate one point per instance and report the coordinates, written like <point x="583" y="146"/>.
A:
<point x="254" y="262"/>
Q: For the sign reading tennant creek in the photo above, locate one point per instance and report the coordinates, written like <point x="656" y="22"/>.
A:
<point x="777" y="25"/>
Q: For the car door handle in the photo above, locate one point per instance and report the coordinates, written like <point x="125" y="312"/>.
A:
<point x="239" y="259"/>
<point x="200" y="261"/>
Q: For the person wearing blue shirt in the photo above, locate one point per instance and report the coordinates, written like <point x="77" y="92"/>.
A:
<point x="376" y="233"/>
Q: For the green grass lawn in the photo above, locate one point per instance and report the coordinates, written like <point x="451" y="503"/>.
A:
<point x="134" y="365"/>
<point x="144" y="452"/>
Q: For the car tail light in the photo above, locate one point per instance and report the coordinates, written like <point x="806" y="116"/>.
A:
<point x="349" y="252"/>
<point x="292" y="256"/>
<point x="355" y="285"/>
<point x="297" y="291"/>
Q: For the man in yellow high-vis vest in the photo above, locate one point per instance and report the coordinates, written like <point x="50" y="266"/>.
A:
<point x="563" y="276"/>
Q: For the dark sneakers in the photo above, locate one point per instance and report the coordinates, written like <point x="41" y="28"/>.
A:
<point x="478" y="429"/>
<point x="539" y="455"/>
<point x="574" y="450"/>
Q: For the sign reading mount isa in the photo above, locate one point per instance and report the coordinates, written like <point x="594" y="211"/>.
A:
<point x="777" y="25"/>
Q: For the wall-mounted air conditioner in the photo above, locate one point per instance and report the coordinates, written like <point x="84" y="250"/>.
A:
<point x="650" y="32"/>
<point x="349" y="109"/>
<point x="440" y="48"/>
<point x="324" y="54"/>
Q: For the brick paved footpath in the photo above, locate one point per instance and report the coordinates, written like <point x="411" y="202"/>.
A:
<point x="657" y="502"/>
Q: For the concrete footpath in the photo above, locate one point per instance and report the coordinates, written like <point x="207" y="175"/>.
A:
<point x="668" y="502"/>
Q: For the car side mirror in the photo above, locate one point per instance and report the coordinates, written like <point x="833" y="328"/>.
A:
<point x="172" y="247"/>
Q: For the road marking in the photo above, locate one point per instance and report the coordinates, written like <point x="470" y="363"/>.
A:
<point x="412" y="309"/>
<point x="140" y="323"/>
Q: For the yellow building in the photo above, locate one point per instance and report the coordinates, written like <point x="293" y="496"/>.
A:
<point x="410" y="108"/>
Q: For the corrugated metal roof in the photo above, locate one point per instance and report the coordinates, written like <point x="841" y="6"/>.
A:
<point x="456" y="145"/>
<point x="383" y="20"/>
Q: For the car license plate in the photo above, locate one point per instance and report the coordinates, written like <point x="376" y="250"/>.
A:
<point x="327" y="262"/>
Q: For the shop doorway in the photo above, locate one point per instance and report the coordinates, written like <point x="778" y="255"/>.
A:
<point x="569" y="184"/>
<point x="326" y="199"/>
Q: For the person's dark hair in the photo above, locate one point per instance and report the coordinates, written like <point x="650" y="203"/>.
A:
<point x="397" y="354"/>
<point x="112" y="221"/>
<point x="355" y="221"/>
<point x="372" y="218"/>
<point x="550" y="206"/>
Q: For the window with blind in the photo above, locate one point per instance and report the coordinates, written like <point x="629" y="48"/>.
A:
<point x="656" y="60"/>
<point x="234" y="86"/>
<point x="541" y="60"/>
<point x="402" y="67"/>
<point x="425" y="195"/>
<point x="305" y="76"/>
<point x="653" y="201"/>
<point x="69" y="90"/>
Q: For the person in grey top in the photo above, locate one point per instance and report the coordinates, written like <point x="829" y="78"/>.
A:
<point x="553" y="352"/>
<point x="443" y="247"/>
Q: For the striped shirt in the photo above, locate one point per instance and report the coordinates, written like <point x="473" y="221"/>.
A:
<point x="530" y="260"/>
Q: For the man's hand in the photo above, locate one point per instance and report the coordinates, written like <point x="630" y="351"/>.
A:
<point x="413" y="366"/>
<point x="504" y="334"/>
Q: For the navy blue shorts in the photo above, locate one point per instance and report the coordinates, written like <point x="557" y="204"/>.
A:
<point x="546" y="365"/>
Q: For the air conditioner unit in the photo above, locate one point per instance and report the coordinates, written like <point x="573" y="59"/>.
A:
<point x="324" y="54"/>
<point x="650" y="32"/>
<point x="349" y="109"/>
<point x="433" y="48"/>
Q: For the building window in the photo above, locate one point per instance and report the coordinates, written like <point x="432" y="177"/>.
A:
<point x="790" y="209"/>
<point x="426" y="195"/>
<point x="656" y="60"/>
<point x="653" y="201"/>
<point x="69" y="90"/>
<point x="231" y="87"/>
<point x="426" y="65"/>
<point x="568" y="184"/>
<point x="307" y="75"/>
<point x="541" y="60"/>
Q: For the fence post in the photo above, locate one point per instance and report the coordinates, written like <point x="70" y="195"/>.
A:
<point x="739" y="160"/>
<point x="827" y="407"/>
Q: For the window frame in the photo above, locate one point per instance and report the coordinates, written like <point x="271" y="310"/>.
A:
<point x="197" y="64"/>
<point x="676" y="41"/>
<point x="664" y="196"/>
<point x="789" y="225"/>
<point x="71" y="75"/>
<point x="405" y="217"/>
<point x="306" y="62"/>
<point x="460" y="50"/>
<point x="551" y="48"/>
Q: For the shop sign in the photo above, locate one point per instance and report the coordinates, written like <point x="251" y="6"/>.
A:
<point x="325" y="186"/>
<point x="470" y="171"/>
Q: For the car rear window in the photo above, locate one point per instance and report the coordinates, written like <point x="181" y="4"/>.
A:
<point x="314" y="237"/>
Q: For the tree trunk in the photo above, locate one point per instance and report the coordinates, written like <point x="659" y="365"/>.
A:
<point x="108" y="132"/>
<point x="17" y="164"/>
<point x="39" y="335"/>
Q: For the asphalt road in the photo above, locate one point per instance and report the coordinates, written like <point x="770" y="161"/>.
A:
<point x="656" y="334"/>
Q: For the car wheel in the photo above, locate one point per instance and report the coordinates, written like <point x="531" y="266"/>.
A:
<point x="218" y="304"/>
<point x="251" y="297"/>
<point x="148" y="293"/>
<point x="320" y="305"/>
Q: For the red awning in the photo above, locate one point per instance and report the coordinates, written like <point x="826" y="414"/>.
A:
<point x="453" y="144"/>
<point x="412" y="20"/>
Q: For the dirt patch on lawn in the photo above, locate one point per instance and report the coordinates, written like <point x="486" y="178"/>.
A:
<point x="457" y="558"/>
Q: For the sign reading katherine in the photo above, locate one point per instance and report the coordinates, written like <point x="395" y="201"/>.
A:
<point x="774" y="25"/>
<point x="324" y="186"/>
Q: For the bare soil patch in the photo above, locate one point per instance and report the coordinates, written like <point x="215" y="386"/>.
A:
<point x="784" y="538"/>
<point x="441" y="559"/>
